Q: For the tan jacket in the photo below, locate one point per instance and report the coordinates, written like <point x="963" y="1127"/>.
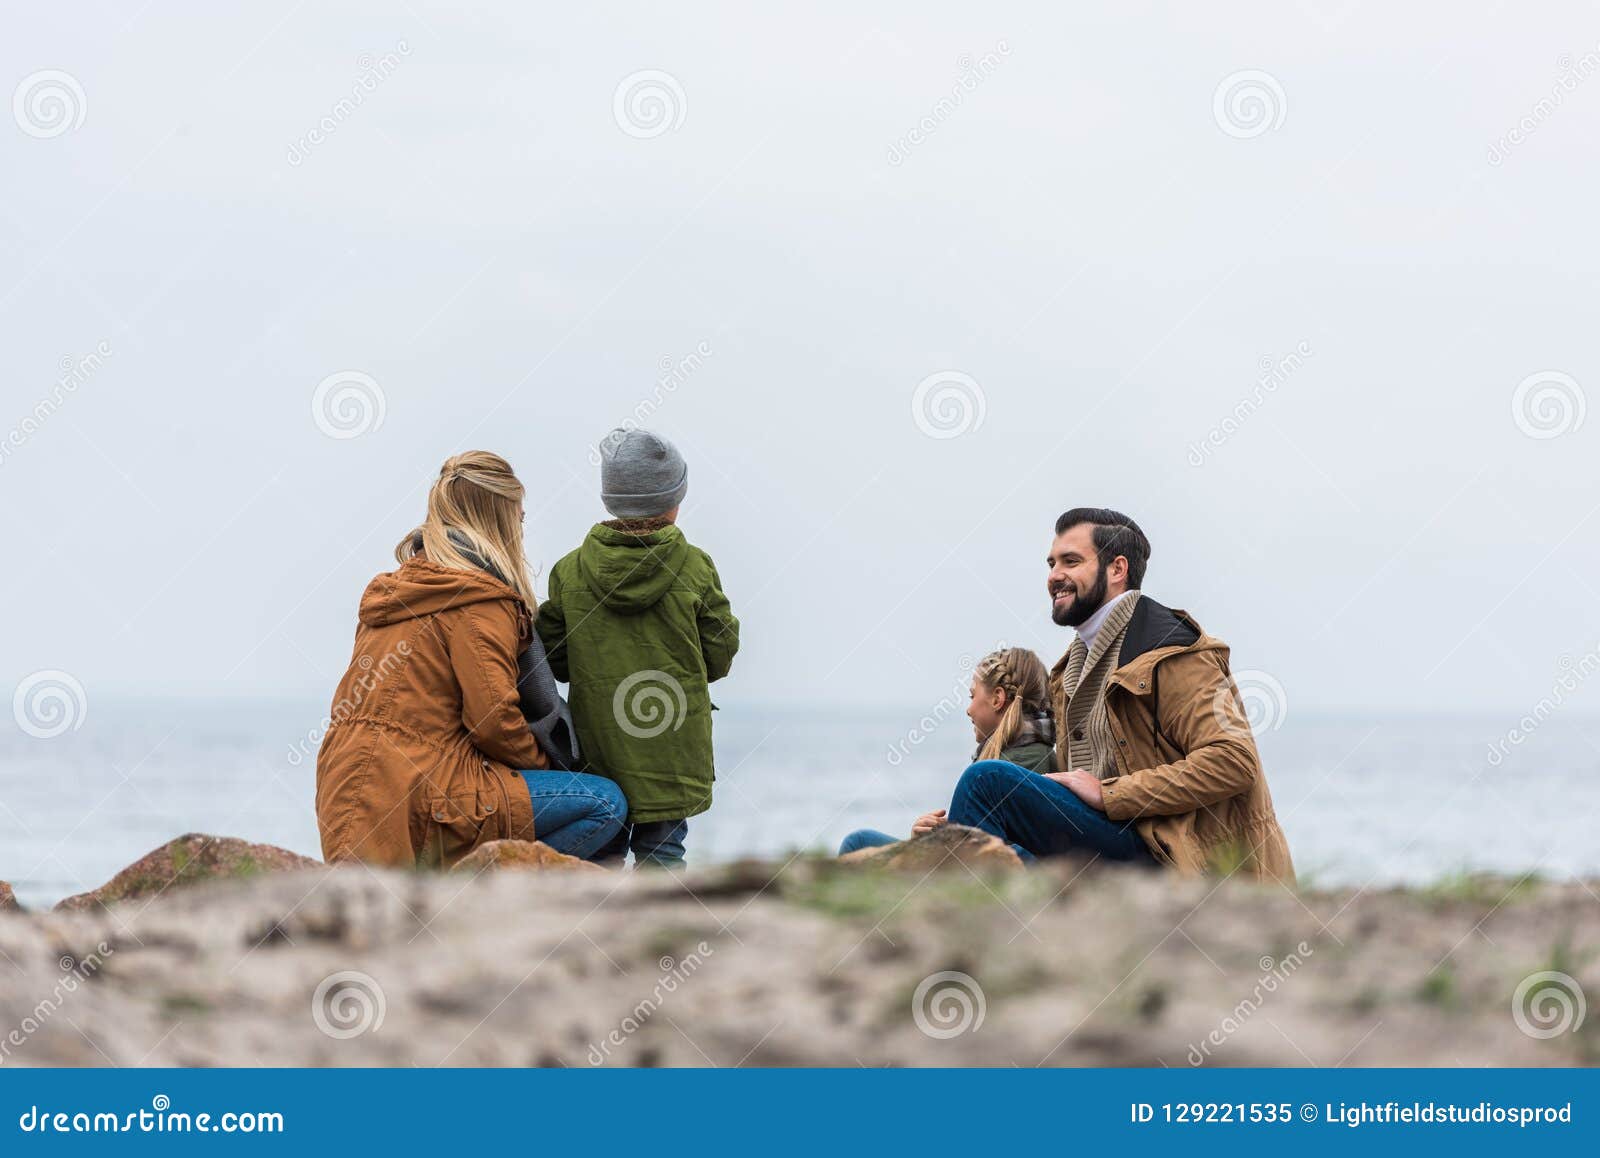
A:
<point x="419" y="765"/>
<point x="1188" y="774"/>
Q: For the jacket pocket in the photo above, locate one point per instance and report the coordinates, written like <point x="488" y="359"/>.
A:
<point x="457" y="823"/>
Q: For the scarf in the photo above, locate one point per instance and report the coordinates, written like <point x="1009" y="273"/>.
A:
<point x="1037" y="727"/>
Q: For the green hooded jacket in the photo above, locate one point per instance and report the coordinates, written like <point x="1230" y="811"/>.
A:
<point x="638" y="625"/>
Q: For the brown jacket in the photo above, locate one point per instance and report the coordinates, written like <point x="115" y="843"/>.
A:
<point x="1188" y="774"/>
<point x="419" y="764"/>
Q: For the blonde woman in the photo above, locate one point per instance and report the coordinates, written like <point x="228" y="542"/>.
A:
<point x="429" y="754"/>
<point x="1010" y="714"/>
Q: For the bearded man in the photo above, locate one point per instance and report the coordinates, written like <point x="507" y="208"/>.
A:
<point x="1160" y="766"/>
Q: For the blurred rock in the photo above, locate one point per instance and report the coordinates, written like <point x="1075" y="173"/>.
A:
<point x="8" y="899"/>
<point x="520" y="854"/>
<point x="190" y="859"/>
<point x="806" y="961"/>
<point x="948" y="846"/>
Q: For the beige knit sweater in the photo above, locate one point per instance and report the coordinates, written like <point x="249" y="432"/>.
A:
<point x="1083" y="737"/>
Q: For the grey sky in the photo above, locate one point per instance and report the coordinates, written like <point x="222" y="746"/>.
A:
<point x="1083" y="233"/>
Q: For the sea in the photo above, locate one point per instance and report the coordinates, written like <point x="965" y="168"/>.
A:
<point x="1371" y="801"/>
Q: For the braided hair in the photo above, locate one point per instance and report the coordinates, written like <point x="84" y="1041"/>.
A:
<point x="1021" y="675"/>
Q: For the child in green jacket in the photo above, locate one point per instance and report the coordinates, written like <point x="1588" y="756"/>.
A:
<point x="637" y="623"/>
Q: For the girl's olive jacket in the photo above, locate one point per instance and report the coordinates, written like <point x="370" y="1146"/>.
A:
<point x="1033" y="755"/>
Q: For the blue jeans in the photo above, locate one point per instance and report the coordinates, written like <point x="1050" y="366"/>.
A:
<point x="574" y="812"/>
<point x="1038" y="815"/>
<point x="865" y="838"/>
<point x="655" y="844"/>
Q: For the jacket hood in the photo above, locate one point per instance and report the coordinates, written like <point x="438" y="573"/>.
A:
<point x="1155" y="634"/>
<point x="629" y="572"/>
<point x="422" y="588"/>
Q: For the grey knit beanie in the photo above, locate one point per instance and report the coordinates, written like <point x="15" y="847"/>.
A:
<point x="641" y="474"/>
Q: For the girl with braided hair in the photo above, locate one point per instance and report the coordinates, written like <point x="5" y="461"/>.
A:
<point x="1010" y="714"/>
<point x="1010" y="709"/>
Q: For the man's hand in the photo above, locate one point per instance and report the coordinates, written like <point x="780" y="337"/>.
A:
<point x="1085" y="786"/>
<point x="929" y="822"/>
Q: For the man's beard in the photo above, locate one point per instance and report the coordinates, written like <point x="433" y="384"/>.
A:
<point x="1082" y="606"/>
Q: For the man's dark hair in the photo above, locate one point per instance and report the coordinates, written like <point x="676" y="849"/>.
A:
<point x="1114" y="534"/>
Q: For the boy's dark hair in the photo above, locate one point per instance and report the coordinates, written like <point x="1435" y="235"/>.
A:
<point x="1114" y="534"/>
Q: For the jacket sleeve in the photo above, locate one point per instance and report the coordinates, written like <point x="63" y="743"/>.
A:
<point x="483" y="652"/>
<point x="719" y="630"/>
<point x="552" y="628"/>
<point x="1209" y="725"/>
